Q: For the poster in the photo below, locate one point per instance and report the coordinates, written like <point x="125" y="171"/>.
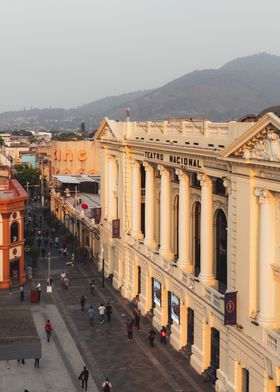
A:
<point x="157" y="292"/>
<point x="116" y="228"/>
<point x="175" y="308"/>
<point x="230" y="308"/>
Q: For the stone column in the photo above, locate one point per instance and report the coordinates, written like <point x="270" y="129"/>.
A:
<point x="184" y="221"/>
<point x="228" y="186"/>
<point x="136" y="201"/>
<point x="165" y="214"/>
<point x="149" y="206"/>
<point x="266" y="256"/>
<point x="112" y="188"/>
<point x="206" y="272"/>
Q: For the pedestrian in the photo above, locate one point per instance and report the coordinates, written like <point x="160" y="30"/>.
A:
<point x="84" y="378"/>
<point x="91" y="315"/>
<point x="137" y="313"/>
<point x="101" y="311"/>
<point x="163" y="335"/>
<point x="107" y="385"/>
<point x="21" y="289"/>
<point x="108" y="311"/>
<point x="130" y="330"/>
<point x="92" y="287"/>
<point x="21" y="360"/>
<point x="66" y="283"/>
<point x="39" y="289"/>
<point x="65" y="252"/>
<point x="152" y="335"/>
<point x="56" y="241"/>
<point x="48" y="329"/>
<point x="83" y="302"/>
<point x="43" y="251"/>
<point x="37" y="362"/>
<point x="8" y="365"/>
<point x="29" y="272"/>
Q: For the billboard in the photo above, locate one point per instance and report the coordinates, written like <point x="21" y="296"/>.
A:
<point x="175" y="308"/>
<point x="157" y="292"/>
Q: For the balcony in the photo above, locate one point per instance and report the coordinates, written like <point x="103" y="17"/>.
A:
<point x="272" y="340"/>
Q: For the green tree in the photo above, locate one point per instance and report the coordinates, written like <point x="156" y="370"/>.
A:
<point x="1" y="142"/>
<point x="26" y="174"/>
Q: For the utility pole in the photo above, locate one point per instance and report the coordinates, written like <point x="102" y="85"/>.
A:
<point x="49" y="281"/>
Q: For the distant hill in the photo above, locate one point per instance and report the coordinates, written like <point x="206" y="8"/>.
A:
<point x="245" y="85"/>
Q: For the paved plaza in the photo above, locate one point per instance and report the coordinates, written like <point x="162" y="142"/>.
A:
<point x="103" y="348"/>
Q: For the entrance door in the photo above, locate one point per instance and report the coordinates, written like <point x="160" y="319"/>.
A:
<point x="245" y="380"/>
<point x="215" y="348"/>
<point x="14" y="271"/>
<point x="190" y="331"/>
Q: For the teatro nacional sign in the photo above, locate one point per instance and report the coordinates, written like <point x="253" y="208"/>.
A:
<point x="174" y="159"/>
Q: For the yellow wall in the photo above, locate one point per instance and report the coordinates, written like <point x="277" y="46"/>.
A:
<point x="73" y="157"/>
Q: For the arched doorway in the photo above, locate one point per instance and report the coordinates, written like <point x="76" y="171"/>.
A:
<point x="221" y="250"/>
<point x="197" y="225"/>
<point x="14" y="232"/>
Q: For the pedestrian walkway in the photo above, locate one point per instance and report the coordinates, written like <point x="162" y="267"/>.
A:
<point x="61" y="361"/>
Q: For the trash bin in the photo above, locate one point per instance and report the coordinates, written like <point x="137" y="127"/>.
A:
<point x="34" y="296"/>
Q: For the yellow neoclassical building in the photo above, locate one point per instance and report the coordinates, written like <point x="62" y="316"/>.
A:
<point x="191" y="226"/>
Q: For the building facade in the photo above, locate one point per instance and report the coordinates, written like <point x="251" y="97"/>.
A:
<point x="191" y="212"/>
<point x="12" y="198"/>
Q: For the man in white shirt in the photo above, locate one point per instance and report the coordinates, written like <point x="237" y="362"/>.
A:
<point x="101" y="311"/>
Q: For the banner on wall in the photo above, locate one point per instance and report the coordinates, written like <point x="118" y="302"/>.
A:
<point x="230" y="308"/>
<point x="175" y="308"/>
<point x="97" y="215"/>
<point x="157" y="292"/>
<point x="116" y="228"/>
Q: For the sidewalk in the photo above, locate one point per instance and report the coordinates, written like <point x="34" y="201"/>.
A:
<point x="132" y="366"/>
<point x="61" y="362"/>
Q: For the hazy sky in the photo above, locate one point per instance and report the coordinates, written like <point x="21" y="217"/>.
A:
<point x="69" y="52"/>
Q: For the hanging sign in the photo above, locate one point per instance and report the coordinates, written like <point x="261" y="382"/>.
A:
<point x="97" y="215"/>
<point x="116" y="228"/>
<point x="230" y="308"/>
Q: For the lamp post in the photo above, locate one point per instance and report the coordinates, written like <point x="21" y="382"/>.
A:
<point x="49" y="281"/>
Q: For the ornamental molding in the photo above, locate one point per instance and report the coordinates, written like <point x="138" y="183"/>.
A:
<point x="205" y="181"/>
<point x="107" y="134"/>
<point x="264" y="195"/>
<point x="264" y="146"/>
<point x="276" y="272"/>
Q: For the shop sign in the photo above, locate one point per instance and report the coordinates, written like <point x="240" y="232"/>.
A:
<point x="116" y="228"/>
<point x="230" y="308"/>
<point x="179" y="160"/>
<point x="175" y="308"/>
<point x="157" y="292"/>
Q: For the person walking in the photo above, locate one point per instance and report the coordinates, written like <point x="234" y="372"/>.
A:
<point x="130" y="330"/>
<point x="39" y="289"/>
<point x="56" y="241"/>
<point x="65" y="252"/>
<point x="107" y="385"/>
<point x="21" y="289"/>
<point x="66" y="283"/>
<point x="152" y="335"/>
<point x="84" y="378"/>
<point x="101" y="311"/>
<point x="48" y="329"/>
<point x="108" y="311"/>
<point x="163" y="335"/>
<point x="83" y="302"/>
<point x="21" y="360"/>
<point x="91" y="315"/>
<point x="37" y="363"/>
<point x="137" y="313"/>
<point x="92" y="287"/>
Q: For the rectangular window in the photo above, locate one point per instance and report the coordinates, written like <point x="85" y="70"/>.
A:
<point x="190" y="331"/>
<point x="245" y="380"/>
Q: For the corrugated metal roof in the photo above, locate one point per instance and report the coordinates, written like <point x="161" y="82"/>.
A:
<point x="67" y="179"/>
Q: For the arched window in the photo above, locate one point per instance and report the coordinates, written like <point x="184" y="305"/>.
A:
<point x="197" y="225"/>
<point x="221" y="250"/>
<point x="14" y="232"/>
<point x="176" y="227"/>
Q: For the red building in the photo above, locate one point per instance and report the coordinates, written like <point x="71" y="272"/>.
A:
<point x="12" y="198"/>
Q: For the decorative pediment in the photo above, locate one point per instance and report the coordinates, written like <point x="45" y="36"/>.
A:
<point x="263" y="146"/>
<point x="260" y="142"/>
<point x="107" y="134"/>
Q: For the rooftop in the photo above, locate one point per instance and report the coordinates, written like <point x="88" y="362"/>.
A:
<point x="10" y="189"/>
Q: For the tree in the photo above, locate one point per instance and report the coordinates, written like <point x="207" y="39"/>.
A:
<point x="83" y="127"/>
<point x="26" y="174"/>
<point x="1" y="142"/>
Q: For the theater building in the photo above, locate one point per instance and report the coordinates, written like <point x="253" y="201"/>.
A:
<point x="190" y="218"/>
<point x="12" y="198"/>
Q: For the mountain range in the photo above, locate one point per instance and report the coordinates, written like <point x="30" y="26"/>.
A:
<point x="244" y="85"/>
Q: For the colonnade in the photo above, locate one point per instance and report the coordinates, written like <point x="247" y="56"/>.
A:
<point x="184" y="260"/>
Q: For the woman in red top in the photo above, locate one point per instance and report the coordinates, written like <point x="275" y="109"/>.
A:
<point x="163" y="335"/>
